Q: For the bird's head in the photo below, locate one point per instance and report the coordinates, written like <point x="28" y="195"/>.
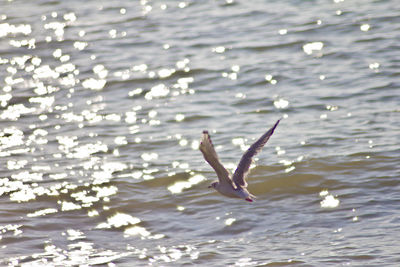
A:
<point x="213" y="185"/>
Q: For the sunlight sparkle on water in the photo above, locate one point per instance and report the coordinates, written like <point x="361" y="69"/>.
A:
<point x="332" y="108"/>
<point x="113" y="117"/>
<point x="283" y="31"/>
<point x="179" y="117"/>
<point x="44" y="102"/>
<point x="83" y="197"/>
<point x="113" y="166"/>
<point x="183" y="84"/>
<point x="94" y="84"/>
<point x="118" y="220"/>
<point x="177" y="164"/>
<point x="374" y="66"/>
<point x="10" y="228"/>
<point x="182" y="63"/>
<point x="180" y="208"/>
<point x="15" y="165"/>
<point x="245" y="262"/>
<point x="23" y="195"/>
<point x="219" y="49"/>
<point x="152" y="114"/>
<point x="240" y="95"/>
<point x="179" y="186"/>
<point x="4" y="99"/>
<point x="164" y="73"/>
<point x="6" y="29"/>
<point x="140" y="68"/>
<point x="130" y="117"/>
<point x="241" y="143"/>
<point x="70" y="16"/>
<point x="136" y="174"/>
<point x="157" y="91"/>
<point x="281" y="103"/>
<point x="280" y="151"/>
<point x="365" y="27"/>
<point x="44" y="72"/>
<point x="42" y="212"/>
<point x="195" y="144"/>
<point x="183" y="142"/>
<point x="120" y="140"/>
<point x="149" y="156"/>
<point x="229" y="221"/>
<point x="14" y="112"/>
<point x="310" y="48"/>
<point x="329" y="200"/>
<point x="136" y="230"/>
<point x="238" y="141"/>
<point x="57" y="27"/>
<point x="65" y="68"/>
<point x="67" y="206"/>
<point x="80" y="45"/>
<point x="232" y="76"/>
<point x="27" y="176"/>
<point x="85" y="151"/>
<point x="291" y="168"/>
<point x="74" y="234"/>
<point x="100" y="71"/>
<point x="93" y="213"/>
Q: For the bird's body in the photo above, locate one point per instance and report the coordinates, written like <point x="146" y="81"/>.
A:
<point x="238" y="192"/>
<point x="233" y="186"/>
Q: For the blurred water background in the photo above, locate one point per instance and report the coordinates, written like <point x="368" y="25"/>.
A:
<point x="102" y="105"/>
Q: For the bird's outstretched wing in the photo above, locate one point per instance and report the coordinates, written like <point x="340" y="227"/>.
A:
<point x="244" y="165"/>
<point x="207" y="148"/>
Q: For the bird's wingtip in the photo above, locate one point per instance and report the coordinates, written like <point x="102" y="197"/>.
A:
<point x="276" y="123"/>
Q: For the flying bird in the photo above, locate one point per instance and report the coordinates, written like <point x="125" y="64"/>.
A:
<point x="233" y="186"/>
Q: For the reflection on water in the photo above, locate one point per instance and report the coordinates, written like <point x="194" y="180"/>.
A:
<point x="311" y="48"/>
<point x="179" y="186"/>
<point x="102" y="106"/>
<point x="329" y="200"/>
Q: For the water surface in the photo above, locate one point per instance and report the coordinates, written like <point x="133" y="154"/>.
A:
<point x="102" y="108"/>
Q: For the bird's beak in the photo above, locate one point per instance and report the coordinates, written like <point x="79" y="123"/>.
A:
<point x="210" y="186"/>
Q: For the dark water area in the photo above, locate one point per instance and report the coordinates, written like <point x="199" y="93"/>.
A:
<point x="102" y="106"/>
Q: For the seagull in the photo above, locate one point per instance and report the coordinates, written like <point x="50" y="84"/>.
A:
<point x="233" y="186"/>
